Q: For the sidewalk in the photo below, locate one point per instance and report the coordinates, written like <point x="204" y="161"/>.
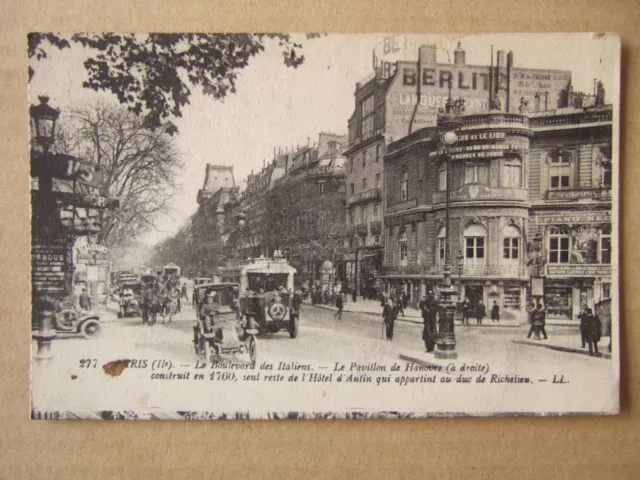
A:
<point x="411" y="315"/>
<point x="568" y="343"/>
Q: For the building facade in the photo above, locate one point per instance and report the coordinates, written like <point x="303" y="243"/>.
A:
<point x="530" y="209"/>
<point x="405" y="96"/>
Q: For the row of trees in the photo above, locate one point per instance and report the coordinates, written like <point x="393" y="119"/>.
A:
<point x="152" y="76"/>
<point x="305" y="223"/>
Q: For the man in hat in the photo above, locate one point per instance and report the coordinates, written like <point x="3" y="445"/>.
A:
<point x="207" y="311"/>
<point x="429" y="308"/>
<point x="84" y="300"/>
<point x="389" y="314"/>
<point x="495" y="312"/>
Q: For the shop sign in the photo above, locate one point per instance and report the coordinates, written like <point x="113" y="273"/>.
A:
<point x="595" y="193"/>
<point x="480" y="192"/>
<point x="573" y="218"/>
<point x="92" y="255"/>
<point x="51" y="260"/>
<point x="579" y="270"/>
<point x="405" y="219"/>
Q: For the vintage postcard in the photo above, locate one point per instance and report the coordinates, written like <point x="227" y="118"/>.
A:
<point x="269" y="226"/>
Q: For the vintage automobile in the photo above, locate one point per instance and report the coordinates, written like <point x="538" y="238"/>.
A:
<point x="171" y="270"/>
<point x="67" y="321"/>
<point x="198" y="281"/>
<point x="130" y="299"/>
<point x="266" y="293"/>
<point x="219" y="328"/>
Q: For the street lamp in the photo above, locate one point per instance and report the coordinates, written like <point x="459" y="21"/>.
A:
<point x="44" y="120"/>
<point x="449" y="123"/>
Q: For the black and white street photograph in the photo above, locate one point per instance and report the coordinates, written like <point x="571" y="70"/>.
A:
<point x="323" y="226"/>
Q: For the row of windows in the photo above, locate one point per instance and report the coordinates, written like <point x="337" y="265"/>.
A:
<point x="365" y="185"/>
<point x="358" y="215"/>
<point x="365" y="158"/>
<point x="562" y="246"/>
<point x="478" y="172"/>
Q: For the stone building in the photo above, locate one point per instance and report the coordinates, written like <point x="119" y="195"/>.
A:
<point x="405" y="97"/>
<point x="527" y="189"/>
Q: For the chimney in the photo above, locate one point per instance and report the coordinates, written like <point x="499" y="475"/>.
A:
<point x="500" y="63"/>
<point x="427" y="54"/>
<point x="599" y="94"/>
<point x="459" y="55"/>
<point x="510" y="59"/>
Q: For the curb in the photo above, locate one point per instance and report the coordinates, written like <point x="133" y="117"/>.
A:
<point x="560" y="348"/>
<point x="348" y="310"/>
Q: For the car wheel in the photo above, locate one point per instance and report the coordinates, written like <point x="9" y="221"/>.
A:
<point x="293" y="326"/>
<point x="91" y="329"/>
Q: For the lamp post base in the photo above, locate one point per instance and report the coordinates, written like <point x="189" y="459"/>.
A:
<point x="446" y="343"/>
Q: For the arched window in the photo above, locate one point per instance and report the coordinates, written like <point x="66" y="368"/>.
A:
<point x="511" y="243"/>
<point x="402" y="241"/>
<point x="474" y="241"/>
<point x="442" y="245"/>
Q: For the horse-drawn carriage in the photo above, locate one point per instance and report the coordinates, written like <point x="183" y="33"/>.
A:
<point x="220" y="328"/>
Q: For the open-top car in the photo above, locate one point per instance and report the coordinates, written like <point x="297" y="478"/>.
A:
<point x="220" y="328"/>
<point x="266" y="295"/>
<point x="130" y="299"/>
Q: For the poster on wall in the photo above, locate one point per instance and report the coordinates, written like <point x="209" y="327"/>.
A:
<point x="294" y="273"/>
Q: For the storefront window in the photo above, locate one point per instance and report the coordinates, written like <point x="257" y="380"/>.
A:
<point x="477" y="172"/>
<point x="512" y="173"/>
<point x="557" y="301"/>
<point x="559" y="246"/>
<point x="511" y="299"/>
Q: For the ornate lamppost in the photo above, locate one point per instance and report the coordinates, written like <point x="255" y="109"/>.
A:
<point x="44" y="119"/>
<point x="449" y="123"/>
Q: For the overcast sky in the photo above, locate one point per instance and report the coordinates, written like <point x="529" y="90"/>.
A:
<point x="276" y="106"/>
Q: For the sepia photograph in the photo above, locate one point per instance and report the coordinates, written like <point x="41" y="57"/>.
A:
<point x="323" y="226"/>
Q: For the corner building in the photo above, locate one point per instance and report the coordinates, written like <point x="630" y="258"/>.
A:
<point x="401" y="98"/>
<point x="516" y="177"/>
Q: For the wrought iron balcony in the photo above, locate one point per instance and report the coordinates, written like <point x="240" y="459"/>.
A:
<point x="506" y="271"/>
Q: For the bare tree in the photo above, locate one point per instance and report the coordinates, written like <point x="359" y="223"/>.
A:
<point x="137" y="165"/>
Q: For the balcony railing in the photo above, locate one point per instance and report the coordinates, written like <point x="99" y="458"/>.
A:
<point x="507" y="271"/>
<point x="325" y="170"/>
<point x="498" y="118"/>
<point x="370" y="195"/>
<point x="573" y="118"/>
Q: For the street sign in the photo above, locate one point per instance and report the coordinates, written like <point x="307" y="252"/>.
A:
<point x="66" y="167"/>
<point x="51" y="262"/>
<point x="87" y="201"/>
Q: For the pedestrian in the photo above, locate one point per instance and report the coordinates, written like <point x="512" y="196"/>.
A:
<point x="184" y="293"/>
<point x="592" y="328"/>
<point x="399" y="302"/>
<point x="383" y="299"/>
<point x="480" y="312"/>
<point x="583" y="324"/>
<point x="84" y="300"/>
<point x="465" y="311"/>
<point x="495" y="312"/>
<point x="389" y="315"/>
<point x="539" y="320"/>
<point x="532" y="324"/>
<point x="429" y="310"/>
<point x="339" y="306"/>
